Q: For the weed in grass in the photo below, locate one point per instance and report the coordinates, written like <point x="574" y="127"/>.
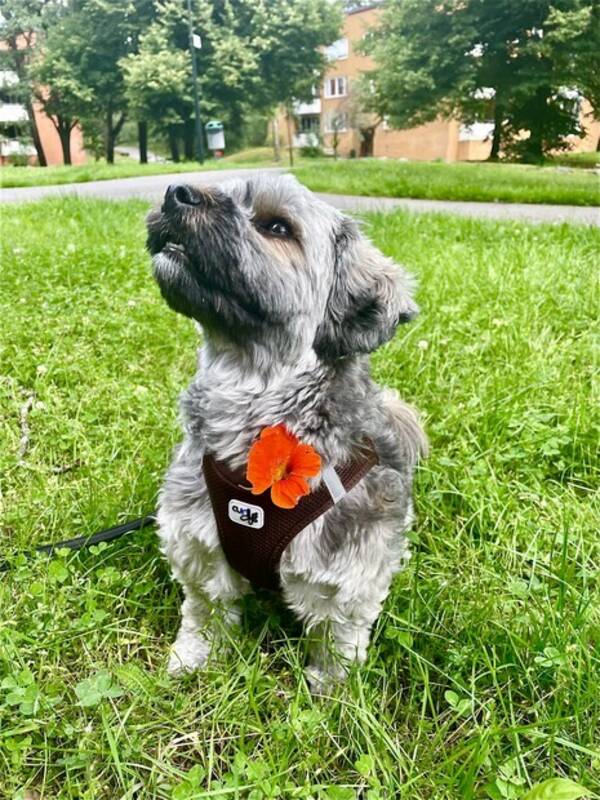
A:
<point x="483" y="678"/>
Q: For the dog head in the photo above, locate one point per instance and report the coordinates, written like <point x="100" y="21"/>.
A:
<point x="264" y="262"/>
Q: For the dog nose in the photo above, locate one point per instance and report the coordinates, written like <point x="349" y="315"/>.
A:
<point x="182" y="195"/>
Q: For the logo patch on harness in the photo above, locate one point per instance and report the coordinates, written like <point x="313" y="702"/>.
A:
<point x="246" y="514"/>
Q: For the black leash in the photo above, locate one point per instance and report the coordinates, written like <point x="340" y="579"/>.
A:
<point x="95" y="538"/>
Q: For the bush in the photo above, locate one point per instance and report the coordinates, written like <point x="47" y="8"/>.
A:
<point x="18" y="160"/>
<point x="311" y="151"/>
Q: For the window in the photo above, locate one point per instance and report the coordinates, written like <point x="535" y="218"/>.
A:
<point x="336" y="87"/>
<point x="337" y="50"/>
<point x="309" y="123"/>
<point x="336" y="121"/>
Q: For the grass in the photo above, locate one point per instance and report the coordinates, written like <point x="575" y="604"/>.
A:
<point x="506" y="183"/>
<point x="11" y="177"/>
<point x="578" y="160"/>
<point x="483" y="678"/>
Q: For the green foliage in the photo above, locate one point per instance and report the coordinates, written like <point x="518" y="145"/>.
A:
<point x="557" y="789"/>
<point x="311" y="151"/>
<point x="573" y="38"/>
<point x="255" y="54"/>
<point x="98" y="687"/>
<point x="505" y="557"/>
<point x="58" y="85"/>
<point x="22" y="23"/>
<point x="63" y="95"/>
<point x="157" y="80"/>
<point x="482" y="60"/>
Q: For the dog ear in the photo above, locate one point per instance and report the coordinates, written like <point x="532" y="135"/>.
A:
<point x="370" y="296"/>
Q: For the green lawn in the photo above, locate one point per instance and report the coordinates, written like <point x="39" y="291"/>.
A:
<point x="484" y="674"/>
<point x="506" y="183"/>
<point x="579" y="160"/>
<point x="11" y="177"/>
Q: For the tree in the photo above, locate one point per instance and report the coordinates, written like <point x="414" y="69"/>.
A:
<point x="573" y="39"/>
<point x="21" y="25"/>
<point x="475" y="60"/>
<point x="103" y="37"/>
<point x="160" y="72"/>
<point x="293" y="35"/>
<point x="255" y="54"/>
<point x="360" y="110"/>
<point x="99" y="34"/>
<point x="157" y="83"/>
<point x="58" y="88"/>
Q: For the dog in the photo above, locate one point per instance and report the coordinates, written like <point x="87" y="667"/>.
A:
<point x="291" y="298"/>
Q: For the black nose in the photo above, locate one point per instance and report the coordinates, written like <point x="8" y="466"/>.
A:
<point x="182" y="195"/>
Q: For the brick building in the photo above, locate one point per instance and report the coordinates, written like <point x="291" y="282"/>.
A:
<point x="15" y="131"/>
<point x="333" y="113"/>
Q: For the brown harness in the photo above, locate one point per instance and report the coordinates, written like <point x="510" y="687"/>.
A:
<point x="253" y="531"/>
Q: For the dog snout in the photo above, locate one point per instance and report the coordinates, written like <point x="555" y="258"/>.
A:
<point x="180" y="195"/>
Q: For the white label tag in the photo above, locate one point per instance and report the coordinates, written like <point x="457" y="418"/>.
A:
<point x="246" y="514"/>
<point x="333" y="483"/>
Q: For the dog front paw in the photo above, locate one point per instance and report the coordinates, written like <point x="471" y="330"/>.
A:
<point x="188" y="653"/>
<point x="323" y="680"/>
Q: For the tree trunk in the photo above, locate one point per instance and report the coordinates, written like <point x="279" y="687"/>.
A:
<point x="276" y="148"/>
<point x="598" y="145"/>
<point x="188" y="140"/>
<point x="35" y="135"/>
<point x="112" y="132"/>
<point x="143" y="141"/>
<point x="64" y="132"/>
<point x="110" y="138"/>
<point x="173" y="145"/>
<point x="497" y="135"/>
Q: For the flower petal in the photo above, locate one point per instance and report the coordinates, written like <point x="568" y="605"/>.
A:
<point x="305" y="461"/>
<point x="281" y="432"/>
<point x="268" y="459"/>
<point x="287" y="492"/>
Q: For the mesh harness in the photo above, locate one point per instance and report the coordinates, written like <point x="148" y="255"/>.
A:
<point x="254" y="532"/>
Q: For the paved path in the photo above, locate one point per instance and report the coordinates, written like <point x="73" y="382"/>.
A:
<point x="152" y="187"/>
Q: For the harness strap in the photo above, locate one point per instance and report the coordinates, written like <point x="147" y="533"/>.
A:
<point x="253" y="531"/>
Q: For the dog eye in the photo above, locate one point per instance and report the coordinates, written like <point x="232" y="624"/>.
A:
<point x="277" y="227"/>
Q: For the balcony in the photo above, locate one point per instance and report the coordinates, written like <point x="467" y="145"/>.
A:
<point x="309" y="139"/>
<point x="314" y="107"/>
<point x="12" y="112"/>
<point x="477" y="132"/>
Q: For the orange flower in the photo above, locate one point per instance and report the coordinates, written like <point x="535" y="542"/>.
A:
<point x="278" y="461"/>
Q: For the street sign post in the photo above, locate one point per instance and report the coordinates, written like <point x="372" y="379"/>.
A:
<point x="195" y="44"/>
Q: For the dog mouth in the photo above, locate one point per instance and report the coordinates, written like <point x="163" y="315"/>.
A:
<point x="173" y="250"/>
<point x="186" y="271"/>
<point x="161" y="242"/>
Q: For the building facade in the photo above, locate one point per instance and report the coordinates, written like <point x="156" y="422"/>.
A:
<point x="334" y="119"/>
<point x="15" y="134"/>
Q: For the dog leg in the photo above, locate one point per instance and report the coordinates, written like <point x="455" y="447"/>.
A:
<point x="210" y="608"/>
<point x="335" y="646"/>
<point x="204" y="623"/>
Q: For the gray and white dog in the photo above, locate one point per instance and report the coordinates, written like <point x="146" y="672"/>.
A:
<point x="290" y="297"/>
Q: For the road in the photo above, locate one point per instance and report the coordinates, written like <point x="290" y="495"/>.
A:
<point x="152" y="187"/>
